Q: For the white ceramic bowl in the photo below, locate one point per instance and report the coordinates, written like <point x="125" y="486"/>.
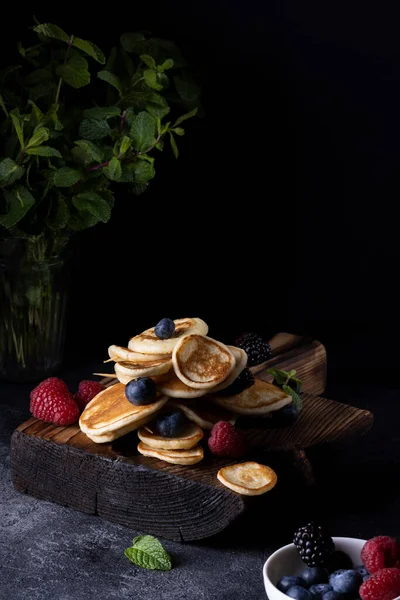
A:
<point x="286" y="561"/>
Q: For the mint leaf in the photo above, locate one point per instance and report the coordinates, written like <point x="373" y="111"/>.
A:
<point x="43" y="151"/>
<point x="283" y="377"/>
<point x="151" y="79"/>
<point x="187" y="89"/>
<point x="147" y="552"/>
<point x="139" y="188"/>
<point x="297" y="401"/>
<point x="18" y="125"/>
<point x="19" y="201"/>
<point x="132" y="42"/>
<point x="157" y="105"/>
<point x="148" y="60"/>
<point x="100" y="113"/>
<point x="93" y="129"/>
<point x="38" y="76"/>
<point x="113" y="170"/>
<point x="143" y="131"/>
<point x="111" y="79"/>
<point x="90" y="49"/>
<point x="125" y="144"/>
<point x="94" y="204"/>
<point x="178" y="130"/>
<point x="65" y="177"/>
<point x="75" y="73"/>
<point x="167" y="64"/>
<point x="142" y="171"/>
<point x="59" y="213"/>
<point x="52" y="31"/>
<point x="173" y="145"/>
<point x="40" y="135"/>
<point x="9" y="172"/>
<point x="188" y="115"/>
<point x="91" y="152"/>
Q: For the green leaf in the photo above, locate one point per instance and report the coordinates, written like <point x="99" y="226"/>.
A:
<point x="18" y="125"/>
<point x="142" y="171"/>
<point x="9" y="172"/>
<point x="178" y="130"/>
<point x="132" y="42"/>
<point x="187" y="89"/>
<point x="3" y="106"/>
<point x="126" y="175"/>
<point x="52" y="115"/>
<point x="19" y="201"/>
<point x="139" y="188"/>
<point x="125" y="144"/>
<point x="59" y="213"/>
<point x="38" y="76"/>
<point x="282" y="377"/>
<point x="167" y="64"/>
<point x="92" y="153"/>
<point x="36" y="113"/>
<point x="75" y="73"/>
<point x="99" y="113"/>
<point x="148" y="60"/>
<point x="43" y="151"/>
<point x="113" y="170"/>
<point x="94" y="204"/>
<point x="147" y="552"/>
<point x="297" y="401"/>
<point x="93" y="129"/>
<point x="40" y="135"/>
<point x="90" y="49"/>
<point x="157" y="105"/>
<point x="66" y="176"/>
<point x="111" y="79"/>
<point x="173" y="145"/>
<point x="143" y="131"/>
<point x="52" y="31"/>
<point x="188" y="115"/>
<point x="150" y="78"/>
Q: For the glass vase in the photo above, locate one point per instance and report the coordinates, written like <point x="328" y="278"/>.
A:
<point x="34" y="282"/>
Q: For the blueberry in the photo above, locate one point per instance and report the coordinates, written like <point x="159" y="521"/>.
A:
<point x="362" y="570"/>
<point x="289" y="581"/>
<point x="164" y="329"/>
<point x="299" y="593"/>
<point x="169" y="424"/>
<point x="141" y="391"/>
<point x="346" y="581"/>
<point x="314" y="575"/>
<point x="319" y="589"/>
<point x="332" y="596"/>
<point x="339" y="560"/>
<point x="284" y="416"/>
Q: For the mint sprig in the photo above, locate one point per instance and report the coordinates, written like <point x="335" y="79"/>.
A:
<point x="147" y="552"/>
<point x="297" y="401"/>
<point x="284" y="377"/>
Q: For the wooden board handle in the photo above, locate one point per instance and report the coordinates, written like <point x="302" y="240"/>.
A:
<point x="281" y="342"/>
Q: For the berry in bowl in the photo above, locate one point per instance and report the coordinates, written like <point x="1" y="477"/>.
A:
<point x="318" y="567"/>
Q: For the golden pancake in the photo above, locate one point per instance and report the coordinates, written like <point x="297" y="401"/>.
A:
<point x="126" y="371"/>
<point x="170" y="385"/>
<point x="201" y="362"/>
<point x="110" y="413"/>
<point x="148" y="342"/>
<point x="248" y="478"/>
<point x="119" y="353"/>
<point x="188" y="439"/>
<point x="240" y="363"/>
<point x="259" y="399"/>
<point x="203" y="413"/>
<point x="175" y="457"/>
<point x="113" y="435"/>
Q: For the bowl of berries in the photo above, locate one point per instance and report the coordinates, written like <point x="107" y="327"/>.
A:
<point x="318" y="567"/>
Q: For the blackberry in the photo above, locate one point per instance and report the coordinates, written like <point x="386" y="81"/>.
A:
<point x="256" y="348"/>
<point x="244" y="380"/>
<point x="314" y="545"/>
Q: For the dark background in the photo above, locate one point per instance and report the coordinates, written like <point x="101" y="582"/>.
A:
<point x="281" y="212"/>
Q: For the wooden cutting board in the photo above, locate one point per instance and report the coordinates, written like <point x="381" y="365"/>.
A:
<point x="112" y="480"/>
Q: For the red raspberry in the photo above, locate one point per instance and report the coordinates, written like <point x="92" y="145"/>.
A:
<point x="51" y="401"/>
<point x="380" y="552"/>
<point x="382" y="585"/>
<point x="225" y="440"/>
<point x="87" y="391"/>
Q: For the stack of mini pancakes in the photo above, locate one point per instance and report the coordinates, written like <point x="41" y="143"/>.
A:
<point x="189" y="369"/>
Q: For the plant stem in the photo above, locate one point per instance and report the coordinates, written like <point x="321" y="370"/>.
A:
<point x="71" y="41"/>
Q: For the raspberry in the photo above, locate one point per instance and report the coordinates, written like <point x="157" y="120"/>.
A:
<point x="380" y="552"/>
<point x="227" y="441"/>
<point x="51" y="401"/>
<point x="87" y="391"/>
<point x="382" y="585"/>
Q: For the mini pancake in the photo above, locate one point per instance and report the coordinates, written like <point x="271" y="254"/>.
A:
<point x="240" y="363"/>
<point x="175" y="457"/>
<point x="119" y="353"/>
<point x="170" y="385"/>
<point x="187" y="440"/>
<point x="113" y="435"/>
<point x="111" y="415"/>
<point x="203" y="413"/>
<point x="201" y="362"/>
<point x="147" y="342"/>
<point x="259" y="399"/>
<point x="248" y="478"/>
<point x="126" y="371"/>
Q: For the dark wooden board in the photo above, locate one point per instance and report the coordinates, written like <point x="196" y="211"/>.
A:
<point x="111" y="480"/>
